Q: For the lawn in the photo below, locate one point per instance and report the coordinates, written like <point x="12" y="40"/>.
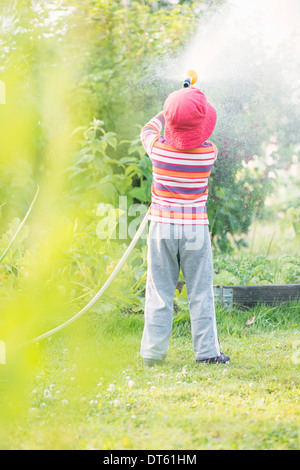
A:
<point x="86" y="387"/>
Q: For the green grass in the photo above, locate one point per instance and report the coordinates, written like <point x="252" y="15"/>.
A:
<point x="86" y="388"/>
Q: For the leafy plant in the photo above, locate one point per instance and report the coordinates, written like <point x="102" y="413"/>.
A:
<point x="254" y="270"/>
<point x="292" y="219"/>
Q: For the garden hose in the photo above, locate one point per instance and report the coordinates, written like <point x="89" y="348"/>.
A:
<point x="20" y="226"/>
<point x="101" y="291"/>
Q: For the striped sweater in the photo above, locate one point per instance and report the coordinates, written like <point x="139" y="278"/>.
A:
<point x="180" y="177"/>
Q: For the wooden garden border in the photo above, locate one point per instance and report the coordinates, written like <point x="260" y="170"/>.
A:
<point x="249" y="296"/>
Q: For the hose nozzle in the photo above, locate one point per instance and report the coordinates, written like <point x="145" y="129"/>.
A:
<point x="187" y="82"/>
<point x="190" y="78"/>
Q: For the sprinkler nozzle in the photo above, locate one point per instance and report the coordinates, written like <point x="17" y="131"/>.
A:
<point x="190" y="78"/>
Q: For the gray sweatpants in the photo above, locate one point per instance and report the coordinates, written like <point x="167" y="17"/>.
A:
<point x="171" y="247"/>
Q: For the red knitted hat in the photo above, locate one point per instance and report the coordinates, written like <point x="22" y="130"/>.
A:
<point x="189" y="118"/>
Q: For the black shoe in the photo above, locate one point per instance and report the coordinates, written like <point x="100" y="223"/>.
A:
<point x="222" y="359"/>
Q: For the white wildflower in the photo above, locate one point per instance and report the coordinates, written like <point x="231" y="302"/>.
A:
<point x="47" y="394"/>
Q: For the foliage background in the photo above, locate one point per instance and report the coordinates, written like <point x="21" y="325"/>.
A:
<point x="81" y="78"/>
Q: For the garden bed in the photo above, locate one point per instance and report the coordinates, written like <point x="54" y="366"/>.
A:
<point x="251" y="295"/>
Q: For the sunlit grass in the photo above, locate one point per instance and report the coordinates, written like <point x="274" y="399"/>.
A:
<point x="88" y="389"/>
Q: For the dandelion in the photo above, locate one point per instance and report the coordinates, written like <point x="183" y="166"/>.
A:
<point x="130" y="384"/>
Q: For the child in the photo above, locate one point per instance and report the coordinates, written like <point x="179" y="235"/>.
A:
<point x="178" y="234"/>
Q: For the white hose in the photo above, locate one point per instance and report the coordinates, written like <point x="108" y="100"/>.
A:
<point x="20" y="226"/>
<point x="101" y="291"/>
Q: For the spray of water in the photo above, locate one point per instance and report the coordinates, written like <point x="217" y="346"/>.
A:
<point x="241" y="37"/>
<point x="246" y="55"/>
